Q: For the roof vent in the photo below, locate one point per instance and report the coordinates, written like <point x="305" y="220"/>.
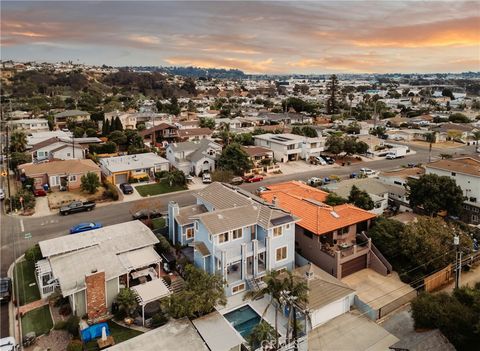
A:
<point x="220" y="216"/>
<point x="334" y="214"/>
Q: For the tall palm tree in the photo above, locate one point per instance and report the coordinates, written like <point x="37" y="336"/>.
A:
<point x="18" y="141"/>
<point x="225" y="132"/>
<point x="294" y="296"/>
<point x="274" y="287"/>
<point x="430" y="138"/>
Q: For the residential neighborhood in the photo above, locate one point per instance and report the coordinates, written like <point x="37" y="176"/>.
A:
<point x="236" y="191"/>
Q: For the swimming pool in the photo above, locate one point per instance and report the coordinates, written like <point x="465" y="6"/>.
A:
<point x="243" y="319"/>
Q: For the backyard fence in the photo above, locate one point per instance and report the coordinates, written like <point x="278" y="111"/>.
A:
<point x="438" y="279"/>
<point x="392" y="306"/>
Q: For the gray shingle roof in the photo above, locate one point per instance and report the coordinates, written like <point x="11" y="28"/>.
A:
<point x="370" y="185"/>
<point x="71" y="113"/>
<point x="185" y="214"/>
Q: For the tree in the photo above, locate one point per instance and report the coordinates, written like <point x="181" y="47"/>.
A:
<point x="350" y="145"/>
<point x="454" y="134"/>
<point x="334" y="200"/>
<point x="360" y="198"/>
<point x="18" y="141"/>
<point x="78" y="132"/>
<point x="89" y="182"/>
<point x="295" y="294"/>
<point x="106" y="127"/>
<point x="127" y="301"/>
<point x="458" y="118"/>
<point x="353" y="128"/>
<point x="448" y="93"/>
<point x="305" y="131"/>
<point x="176" y="177"/>
<point x="117" y="124"/>
<point x="235" y="159"/>
<point x="332" y="89"/>
<point x="334" y="144"/>
<point x="435" y="193"/>
<point x="118" y="137"/>
<point x="201" y="294"/>
<point x="90" y="132"/>
<point x="262" y="332"/>
<point x="362" y="148"/>
<point x="19" y="158"/>
<point x="173" y="108"/>
<point x="207" y="123"/>
<point x="274" y="287"/>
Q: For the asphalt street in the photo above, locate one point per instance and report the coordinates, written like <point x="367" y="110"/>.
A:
<point x="13" y="228"/>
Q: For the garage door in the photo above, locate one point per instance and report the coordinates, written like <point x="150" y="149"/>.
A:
<point x="354" y="265"/>
<point x="121" y="178"/>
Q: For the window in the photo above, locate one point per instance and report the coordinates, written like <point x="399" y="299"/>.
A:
<point x="281" y="253"/>
<point x="454" y="174"/>
<point x="343" y="231"/>
<point x="474" y="218"/>
<point x="287" y="226"/>
<point x="223" y="238"/>
<point x="237" y="234"/>
<point x="238" y="288"/>
<point x="189" y="233"/>
<point x="68" y="154"/>
<point x="277" y="231"/>
<point x="72" y="178"/>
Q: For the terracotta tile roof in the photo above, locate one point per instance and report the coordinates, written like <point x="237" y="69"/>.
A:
<point x="316" y="216"/>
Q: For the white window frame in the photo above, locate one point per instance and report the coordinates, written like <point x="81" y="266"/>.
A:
<point x="192" y="231"/>
<point x="196" y="226"/>
<point x="239" y="237"/>
<point x="277" y="228"/>
<point x="72" y="178"/>
<point x="242" y="285"/>
<point x="276" y="253"/>
<point x="221" y="235"/>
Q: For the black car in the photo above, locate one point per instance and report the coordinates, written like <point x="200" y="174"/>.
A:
<point x="5" y="290"/>
<point x="328" y="159"/>
<point x="126" y="188"/>
<point x="145" y="214"/>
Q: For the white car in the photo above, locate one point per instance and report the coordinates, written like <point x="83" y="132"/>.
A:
<point x="206" y="178"/>
<point x="368" y="172"/>
<point x="2" y="194"/>
<point x="314" y="181"/>
<point x="391" y="156"/>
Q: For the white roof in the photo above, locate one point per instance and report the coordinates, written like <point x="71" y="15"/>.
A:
<point x="130" y="162"/>
<point x="151" y="291"/>
<point x="287" y="138"/>
<point x="38" y="137"/>
<point x="217" y="332"/>
<point x="139" y="258"/>
<point x="29" y="121"/>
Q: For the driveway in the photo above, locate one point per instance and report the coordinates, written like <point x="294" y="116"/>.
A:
<point x="41" y="207"/>
<point x="375" y="289"/>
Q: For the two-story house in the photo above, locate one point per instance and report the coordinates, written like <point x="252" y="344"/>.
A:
<point x="291" y="147"/>
<point x="466" y="173"/>
<point x="30" y="125"/>
<point x="160" y="134"/>
<point x="331" y="237"/>
<point x="194" y="156"/>
<point x="62" y="118"/>
<point x="261" y="158"/>
<point x="235" y="235"/>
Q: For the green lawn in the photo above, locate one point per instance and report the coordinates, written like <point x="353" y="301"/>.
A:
<point x="158" y="223"/>
<point x="158" y="188"/>
<point x="27" y="286"/>
<point x="38" y="320"/>
<point x="119" y="334"/>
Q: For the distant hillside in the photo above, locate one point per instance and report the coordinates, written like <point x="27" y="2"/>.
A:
<point x="196" y="72"/>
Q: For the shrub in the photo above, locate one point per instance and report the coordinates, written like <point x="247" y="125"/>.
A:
<point x="112" y="190"/>
<point x="90" y="182"/>
<point x="33" y="254"/>
<point x="160" y="175"/>
<point x="60" y="325"/>
<point x="120" y="314"/>
<point x="159" y="319"/>
<point x="75" y="345"/>
<point x="72" y="325"/>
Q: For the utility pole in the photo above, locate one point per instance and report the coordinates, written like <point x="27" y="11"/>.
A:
<point x="458" y="260"/>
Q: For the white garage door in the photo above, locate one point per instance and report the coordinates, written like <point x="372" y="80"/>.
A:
<point x="330" y="311"/>
<point x="121" y="178"/>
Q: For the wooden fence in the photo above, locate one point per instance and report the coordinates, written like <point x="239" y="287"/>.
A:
<point x="439" y="279"/>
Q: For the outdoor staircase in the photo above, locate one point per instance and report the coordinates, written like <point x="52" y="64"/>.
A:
<point x="177" y="285"/>
<point x="254" y="285"/>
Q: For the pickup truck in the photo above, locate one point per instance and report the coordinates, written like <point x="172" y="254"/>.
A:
<point x="77" y="206"/>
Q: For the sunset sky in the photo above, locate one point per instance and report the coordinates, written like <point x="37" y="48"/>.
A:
<point x="256" y="37"/>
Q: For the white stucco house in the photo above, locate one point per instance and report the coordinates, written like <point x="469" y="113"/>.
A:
<point x="194" y="156"/>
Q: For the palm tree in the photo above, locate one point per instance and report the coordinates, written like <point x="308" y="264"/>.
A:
<point x="430" y="138"/>
<point x="294" y="296"/>
<point x="225" y="132"/>
<point x="18" y="141"/>
<point x="274" y="287"/>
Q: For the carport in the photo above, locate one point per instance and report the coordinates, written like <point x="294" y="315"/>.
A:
<point x="149" y="292"/>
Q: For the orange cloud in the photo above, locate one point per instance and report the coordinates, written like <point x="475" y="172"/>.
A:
<point x="224" y="62"/>
<point x="457" y="32"/>
<point x="144" y="39"/>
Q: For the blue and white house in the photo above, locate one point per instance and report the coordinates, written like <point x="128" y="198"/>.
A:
<point x="235" y="234"/>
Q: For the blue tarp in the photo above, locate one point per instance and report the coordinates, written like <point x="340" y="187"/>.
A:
<point x="94" y="332"/>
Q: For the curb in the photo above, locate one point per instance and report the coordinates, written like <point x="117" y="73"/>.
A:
<point x="12" y="328"/>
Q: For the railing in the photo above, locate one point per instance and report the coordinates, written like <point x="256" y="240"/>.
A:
<point x="46" y="290"/>
<point x="377" y="253"/>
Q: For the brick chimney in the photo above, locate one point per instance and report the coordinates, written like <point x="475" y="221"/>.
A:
<point x="95" y="293"/>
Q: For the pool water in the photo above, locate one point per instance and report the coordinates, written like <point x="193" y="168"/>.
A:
<point x="243" y="319"/>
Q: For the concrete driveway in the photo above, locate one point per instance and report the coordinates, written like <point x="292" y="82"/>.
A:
<point x="375" y="289"/>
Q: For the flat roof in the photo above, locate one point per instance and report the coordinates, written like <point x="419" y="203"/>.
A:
<point x="177" y="334"/>
<point x="217" y="332"/>
<point x="129" y="162"/>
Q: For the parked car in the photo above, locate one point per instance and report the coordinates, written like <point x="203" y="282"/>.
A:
<point x="236" y="181"/>
<point x="145" y="214"/>
<point x="5" y="290"/>
<point x="261" y="190"/>
<point x="77" y="206"/>
<point x="2" y="194"/>
<point x="206" y="178"/>
<point x="317" y="160"/>
<point x="367" y="172"/>
<point x="9" y="344"/>
<point x="315" y="181"/>
<point x="39" y="192"/>
<point x="328" y="159"/>
<point x="84" y="227"/>
<point x="253" y="179"/>
<point x="126" y="188"/>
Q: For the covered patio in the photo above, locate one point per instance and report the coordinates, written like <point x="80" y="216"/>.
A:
<point x="149" y="292"/>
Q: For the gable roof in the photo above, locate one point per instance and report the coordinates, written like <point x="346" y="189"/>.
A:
<point x="314" y="215"/>
<point x="256" y="150"/>
<point x="189" y="132"/>
<point x="60" y="167"/>
<point x="161" y="126"/>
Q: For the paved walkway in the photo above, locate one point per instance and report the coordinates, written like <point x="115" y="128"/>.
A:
<point x="41" y="207"/>
<point x="32" y="305"/>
